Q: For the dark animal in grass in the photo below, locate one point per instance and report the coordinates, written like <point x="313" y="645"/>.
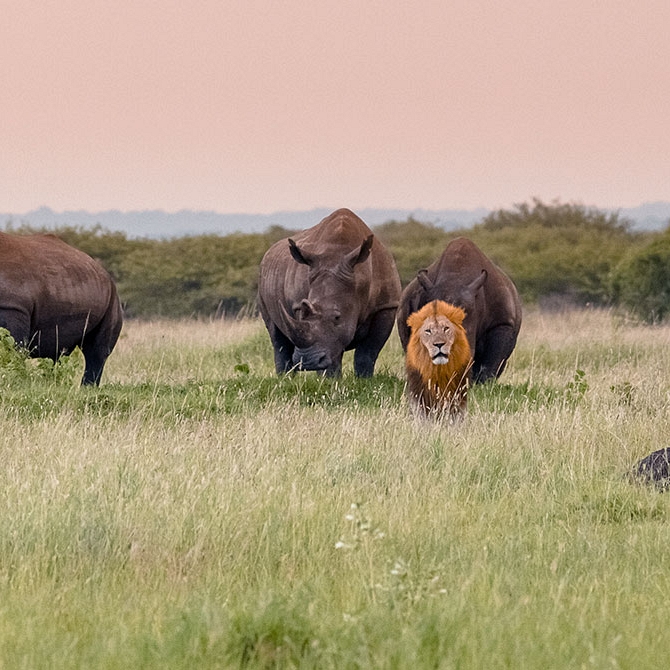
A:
<point x="464" y="276"/>
<point x="326" y="290"/>
<point x="654" y="469"/>
<point x="437" y="362"/>
<point x="54" y="298"/>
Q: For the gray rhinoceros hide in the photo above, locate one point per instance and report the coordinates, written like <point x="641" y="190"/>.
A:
<point x="464" y="276"/>
<point x="327" y="290"/>
<point x="54" y="298"/>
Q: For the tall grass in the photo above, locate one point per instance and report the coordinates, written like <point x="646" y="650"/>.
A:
<point x="196" y="511"/>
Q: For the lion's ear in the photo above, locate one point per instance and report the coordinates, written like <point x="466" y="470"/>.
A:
<point x="414" y="321"/>
<point x="457" y="315"/>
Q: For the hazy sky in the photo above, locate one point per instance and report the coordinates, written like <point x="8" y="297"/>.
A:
<point x="258" y="106"/>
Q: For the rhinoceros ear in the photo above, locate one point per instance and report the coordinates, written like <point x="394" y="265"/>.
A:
<point x="298" y="255"/>
<point x="424" y="280"/>
<point x="359" y="255"/>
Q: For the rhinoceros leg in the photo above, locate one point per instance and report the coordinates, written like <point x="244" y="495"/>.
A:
<point x="367" y="350"/>
<point x="18" y="325"/>
<point x="95" y="363"/>
<point x="492" y="352"/>
<point x="283" y="350"/>
<point x="97" y="345"/>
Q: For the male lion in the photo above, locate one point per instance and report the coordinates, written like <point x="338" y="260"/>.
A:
<point x="438" y="361"/>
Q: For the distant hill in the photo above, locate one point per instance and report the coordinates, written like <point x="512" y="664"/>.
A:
<point x="649" y="216"/>
<point x="159" y="224"/>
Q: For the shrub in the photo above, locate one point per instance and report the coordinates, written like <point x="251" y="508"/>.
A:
<point x="641" y="281"/>
<point x="558" y="249"/>
<point x="549" y="250"/>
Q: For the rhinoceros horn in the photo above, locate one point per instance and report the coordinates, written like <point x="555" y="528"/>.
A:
<point x="426" y="283"/>
<point x="304" y="309"/>
<point x="477" y="283"/>
<point x="298" y="328"/>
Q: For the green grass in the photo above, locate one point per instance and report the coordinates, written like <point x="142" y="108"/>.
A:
<point x="198" y="511"/>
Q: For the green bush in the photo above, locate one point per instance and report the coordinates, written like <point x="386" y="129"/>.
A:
<point x="556" y="249"/>
<point x="641" y="282"/>
<point x="414" y="245"/>
<point x="549" y="250"/>
<point x="560" y="249"/>
<point x="203" y="275"/>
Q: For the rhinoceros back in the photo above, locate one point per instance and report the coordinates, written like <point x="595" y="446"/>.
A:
<point x="54" y="298"/>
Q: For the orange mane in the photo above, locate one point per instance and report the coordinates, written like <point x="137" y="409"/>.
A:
<point x="438" y="389"/>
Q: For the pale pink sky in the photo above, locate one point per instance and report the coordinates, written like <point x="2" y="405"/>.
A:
<point x="259" y="106"/>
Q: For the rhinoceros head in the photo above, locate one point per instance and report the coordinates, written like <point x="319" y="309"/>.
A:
<point x="324" y="323"/>
<point x="464" y="296"/>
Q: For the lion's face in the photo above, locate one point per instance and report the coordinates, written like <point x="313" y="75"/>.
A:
<point x="437" y="335"/>
<point x="437" y="359"/>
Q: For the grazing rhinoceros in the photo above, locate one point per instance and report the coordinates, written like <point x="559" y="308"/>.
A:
<point x="329" y="289"/>
<point x="465" y="277"/>
<point x="54" y="298"/>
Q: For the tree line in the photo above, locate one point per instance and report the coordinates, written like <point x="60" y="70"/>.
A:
<point x="557" y="253"/>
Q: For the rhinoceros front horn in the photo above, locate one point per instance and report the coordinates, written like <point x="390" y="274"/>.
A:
<point x="287" y="318"/>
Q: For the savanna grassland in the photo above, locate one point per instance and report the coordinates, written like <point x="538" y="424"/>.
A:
<point x="196" y="511"/>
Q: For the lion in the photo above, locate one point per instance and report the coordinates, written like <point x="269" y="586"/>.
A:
<point x="438" y="361"/>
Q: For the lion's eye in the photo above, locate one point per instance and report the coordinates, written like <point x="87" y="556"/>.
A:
<point x="428" y="331"/>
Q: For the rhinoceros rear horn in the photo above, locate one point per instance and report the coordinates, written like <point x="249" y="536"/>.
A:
<point x="304" y="310"/>
<point x="477" y="283"/>
<point x="424" y="280"/>
<point x="298" y="254"/>
<point x="296" y="330"/>
<point x="361" y="254"/>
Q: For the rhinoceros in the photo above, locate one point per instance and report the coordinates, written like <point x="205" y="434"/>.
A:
<point x="654" y="469"/>
<point x="54" y="298"/>
<point x="329" y="289"/>
<point x="464" y="276"/>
